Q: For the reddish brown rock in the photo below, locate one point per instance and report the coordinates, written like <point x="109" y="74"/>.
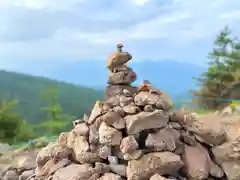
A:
<point x="145" y="120"/>
<point x="164" y="139"/>
<point x="109" y="135"/>
<point x="128" y="144"/>
<point x="114" y="119"/>
<point x="165" y="163"/>
<point x="196" y="163"/>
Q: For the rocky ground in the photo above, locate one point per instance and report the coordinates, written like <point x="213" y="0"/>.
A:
<point x="135" y="135"/>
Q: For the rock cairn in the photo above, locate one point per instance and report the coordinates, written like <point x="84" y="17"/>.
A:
<point x="120" y="75"/>
<point x="133" y="135"/>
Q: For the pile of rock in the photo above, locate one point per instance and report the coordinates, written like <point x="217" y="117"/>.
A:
<point x="17" y="164"/>
<point x="133" y="135"/>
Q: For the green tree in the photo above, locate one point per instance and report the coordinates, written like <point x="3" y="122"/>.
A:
<point x="223" y="71"/>
<point x="57" y="121"/>
<point x="12" y="128"/>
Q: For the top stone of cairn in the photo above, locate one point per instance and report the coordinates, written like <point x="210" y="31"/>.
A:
<point x="119" y="58"/>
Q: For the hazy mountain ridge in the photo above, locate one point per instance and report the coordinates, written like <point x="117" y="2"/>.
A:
<point x="171" y="76"/>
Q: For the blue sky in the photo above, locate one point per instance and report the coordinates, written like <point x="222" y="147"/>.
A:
<point x="75" y="30"/>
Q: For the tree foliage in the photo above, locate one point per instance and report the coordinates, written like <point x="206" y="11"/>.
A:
<point x="56" y="120"/>
<point x="223" y="75"/>
<point x="12" y="127"/>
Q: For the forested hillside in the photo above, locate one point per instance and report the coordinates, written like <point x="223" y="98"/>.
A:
<point x="29" y="91"/>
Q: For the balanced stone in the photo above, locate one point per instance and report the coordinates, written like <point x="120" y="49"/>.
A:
<point x="119" y="58"/>
<point x="125" y="76"/>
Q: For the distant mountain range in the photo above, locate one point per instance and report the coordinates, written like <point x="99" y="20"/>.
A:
<point x="28" y="90"/>
<point x="171" y="76"/>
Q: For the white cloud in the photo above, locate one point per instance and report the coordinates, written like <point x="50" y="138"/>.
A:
<point x="186" y="23"/>
<point x="140" y="2"/>
<point x="40" y="4"/>
<point x="233" y="15"/>
<point x="77" y="29"/>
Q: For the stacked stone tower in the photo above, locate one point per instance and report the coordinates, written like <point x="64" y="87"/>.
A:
<point x="121" y="76"/>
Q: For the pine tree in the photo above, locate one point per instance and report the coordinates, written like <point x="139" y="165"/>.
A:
<point x="223" y="72"/>
<point x="57" y="121"/>
<point x="12" y="127"/>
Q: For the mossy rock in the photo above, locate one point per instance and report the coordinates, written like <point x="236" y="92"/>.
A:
<point x="234" y="105"/>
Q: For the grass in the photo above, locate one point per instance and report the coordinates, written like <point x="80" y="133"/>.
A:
<point x="234" y="104"/>
<point x="203" y="111"/>
<point x="193" y="108"/>
<point x="35" y="143"/>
